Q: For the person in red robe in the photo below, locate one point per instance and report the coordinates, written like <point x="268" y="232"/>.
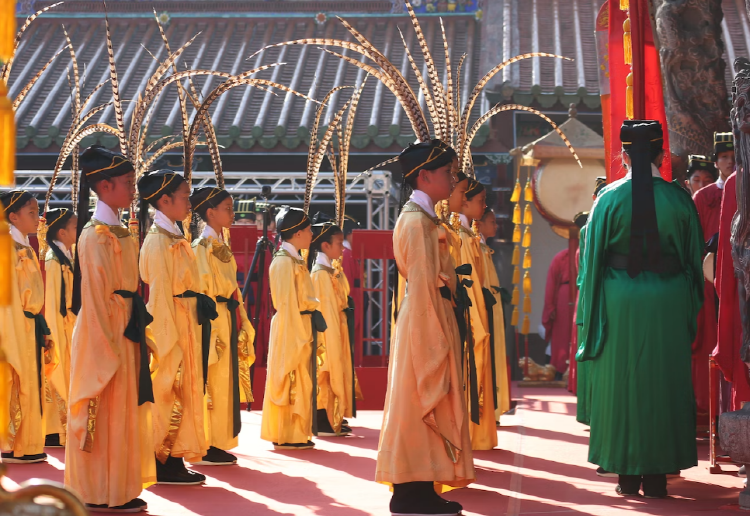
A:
<point x="557" y="317"/>
<point x="708" y="202"/>
<point x="727" y="351"/>
<point x="353" y="273"/>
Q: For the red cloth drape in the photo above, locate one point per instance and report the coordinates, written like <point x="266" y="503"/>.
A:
<point x="557" y="317"/>
<point x="727" y="352"/>
<point x="651" y="105"/>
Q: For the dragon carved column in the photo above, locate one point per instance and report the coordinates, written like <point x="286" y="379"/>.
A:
<point x="695" y="92"/>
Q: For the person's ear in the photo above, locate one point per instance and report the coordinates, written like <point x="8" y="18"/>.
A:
<point x="13" y="218"/>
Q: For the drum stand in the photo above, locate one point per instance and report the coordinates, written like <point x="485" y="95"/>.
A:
<point x="715" y="460"/>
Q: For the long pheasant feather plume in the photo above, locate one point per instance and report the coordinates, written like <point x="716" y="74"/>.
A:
<point x="74" y="155"/>
<point x="26" y="89"/>
<point x="432" y="73"/>
<point x="477" y="91"/>
<point x="316" y="124"/>
<point x="76" y="76"/>
<point x="509" y="107"/>
<point x="319" y="153"/>
<point x="119" y="114"/>
<point x="428" y="98"/>
<point x="457" y="88"/>
<point x="356" y="96"/>
<point x="5" y="73"/>
<point x="91" y="95"/>
<point x="451" y="108"/>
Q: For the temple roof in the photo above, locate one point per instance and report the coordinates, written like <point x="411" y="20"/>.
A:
<point x="246" y="117"/>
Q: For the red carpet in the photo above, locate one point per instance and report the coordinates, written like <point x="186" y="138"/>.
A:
<point x="540" y="468"/>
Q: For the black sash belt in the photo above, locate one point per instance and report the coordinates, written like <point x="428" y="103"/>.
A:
<point x="318" y="323"/>
<point x="206" y="314"/>
<point x="349" y="311"/>
<point x="136" y="332"/>
<point x="40" y="331"/>
<point x="232" y="306"/>
<point x="490" y="301"/>
<point x="668" y="265"/>
<point x="445" y="292"/>
<point x="463" y="318"/>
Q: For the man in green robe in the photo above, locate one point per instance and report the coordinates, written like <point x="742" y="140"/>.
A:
<point x="641" y="289"/>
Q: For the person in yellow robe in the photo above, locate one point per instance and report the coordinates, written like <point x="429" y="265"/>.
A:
<point x="493" y="300"/>
<point x="425" y="434"/>
<point x="482" y="412"/>
<point x="231" y="353"/>
<point x="288" y="403"/>
<point x="336" y="389"/>
<point x="58" y="303"/>
<point x="26" y="339"/>
<point x="181" y="329"/>
<point x="109" y="453"/>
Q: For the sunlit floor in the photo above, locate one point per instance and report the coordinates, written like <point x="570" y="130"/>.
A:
<point x="539" y="468"/>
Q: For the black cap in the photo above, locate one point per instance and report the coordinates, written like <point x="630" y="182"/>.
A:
<point x="425" y="155"/>
<point x="57" y="218"/>
<point x="350" y="224"/>
<point x="599" y="184"/>
<point x="581" y="218"/>
<point x="15" y="200"/>
<point x="474" y="188"/>
<point x="696" y="162"/>
<point x="723" y="142"/>
<point x="290" y="220"/>
<point x="208" y="197"/>
<point x="97" y="162"/>
<point x="153" y="185"/>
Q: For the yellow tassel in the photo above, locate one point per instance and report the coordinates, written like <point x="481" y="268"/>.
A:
<point x="526" y="283"/>
<point x="528" y="193"/>
<point x="475" y="228"/>
<point x="516" y="275"/>
<point x="304" y="253"/>
<point x="527" y="218"/>
<point x="516" y="192"/>
<point x="7" y="134"/>
<point x="514" y="317"/>
<point x="133" y="227"/>
<point x="526" y="325"/>
<point x="629" y="96"/>
<point x="226" y="234"/>
<point x="515" y="297"/>
<point x="517" y="214"/>
<point x="627" y="45"/>
<point x="526" y="237"/>
<point x="7" y="260"/>
<point x="624" y="5"/>
<point x="516" y="234"/>
<point x="527" y="259"/>
<point x="41" y="237"/>
<point x="527" y="305"/>
<point x="7" y="29"/>
<point x="516" y="256"/>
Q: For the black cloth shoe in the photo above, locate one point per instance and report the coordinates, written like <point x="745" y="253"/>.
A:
<point x="216" y="457"/>
<point x="418" y="499"/>
<point x="655" y="486"/>
<point x="174" y="472"/>
<point x="600" y="471"/>
<point x="8" y="458"/>
<point x="134" y="505"/>
<point x="52" y="441"/>
<point x="324" y="426"/>
<point x="309" y="445"/>
<point x="629" y="485"/>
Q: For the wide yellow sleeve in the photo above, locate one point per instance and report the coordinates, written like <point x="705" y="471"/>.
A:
<point x="471" y="254"/>
<point x="291" y="333"/>
<point x="422" y="313"/>
<point x="329" y="306"/>
<point x="207" y="286"/>
<point x="156" y="266"/>
<point x="95" y="350"/>
<point x="52" y="288"/>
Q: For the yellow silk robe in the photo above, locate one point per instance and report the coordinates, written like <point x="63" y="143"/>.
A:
<point x="169" y="267"/>
<point x="425" y="432"/>
<point x="109" y="457"/>
<point x="501" y="362"/>
<point x="218" y="277"/>
<point x="56" y="398"/>
<point x="287" y="403"/>
<point x="484" y="435"/>
<point x="21" y="401"/>
<point x="335" y="371"/>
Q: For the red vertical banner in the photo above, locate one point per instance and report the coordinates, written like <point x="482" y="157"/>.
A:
<point x="647" y="82"/>
<point x="602" y="51"/>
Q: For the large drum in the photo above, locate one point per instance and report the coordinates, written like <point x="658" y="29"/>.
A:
<point x="562" y="189"/>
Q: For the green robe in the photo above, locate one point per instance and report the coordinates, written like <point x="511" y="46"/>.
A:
<point x="583" y="374"/>
<point x="638" y="334"/>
